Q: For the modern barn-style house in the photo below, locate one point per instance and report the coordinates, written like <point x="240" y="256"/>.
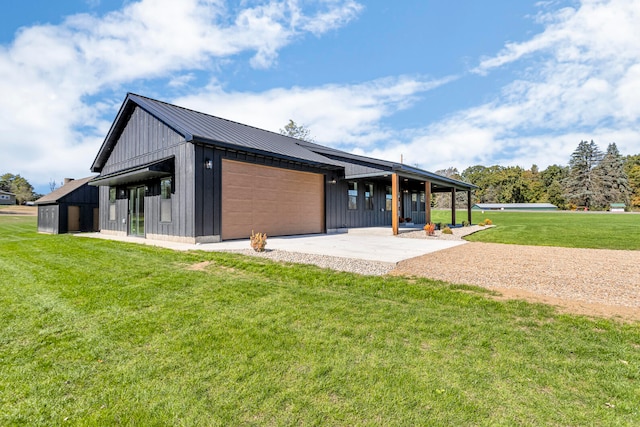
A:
<point x="170" y="173"/>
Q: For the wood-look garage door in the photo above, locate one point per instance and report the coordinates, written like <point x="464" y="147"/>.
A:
<point x="270" y="200"/>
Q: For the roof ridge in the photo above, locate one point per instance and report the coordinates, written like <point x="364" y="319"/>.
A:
<point x="216" y="117"/>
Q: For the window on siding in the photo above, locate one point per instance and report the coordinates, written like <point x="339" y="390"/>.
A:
<point x="414" y="202"/>
<point x="112" y="203"/>
<point x="422" y="202"/>
<point x="368" y="197"/>
<point x="353" y="195"/>
<point x="388" y="205"/>
<point x="165" y="200"/>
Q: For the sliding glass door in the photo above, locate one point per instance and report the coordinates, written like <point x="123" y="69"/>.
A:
<point x="136" y="211"/>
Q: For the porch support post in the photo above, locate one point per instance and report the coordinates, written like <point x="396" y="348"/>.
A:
<point x="394" y="204"/>
<point x="427" y="201"/>
<point x="469" y="206"/>
<point x="453" y="206"/>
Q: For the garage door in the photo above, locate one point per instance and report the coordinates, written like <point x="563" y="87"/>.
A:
<point x="270" y="200"/>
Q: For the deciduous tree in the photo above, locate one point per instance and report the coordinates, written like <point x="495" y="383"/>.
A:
<point x="18" y="186"/>
<point x="297" y="131"/>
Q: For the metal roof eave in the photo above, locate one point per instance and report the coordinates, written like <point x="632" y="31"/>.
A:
<point x="329" y="164"/>
<point x="458" y="185"/>
<point x="433" y="178"/>
<point x="156" y="169"/>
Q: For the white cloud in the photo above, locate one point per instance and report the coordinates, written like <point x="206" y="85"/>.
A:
<point x="49" y="73"/>
<point x="580" y="79"/>
<point x="345" y="116"/>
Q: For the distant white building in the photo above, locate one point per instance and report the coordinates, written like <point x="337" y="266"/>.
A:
<point x="617" y="207"/>
<point x="515" y="207"/>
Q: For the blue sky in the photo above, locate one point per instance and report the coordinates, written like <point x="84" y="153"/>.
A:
<point x="444" y="84"/>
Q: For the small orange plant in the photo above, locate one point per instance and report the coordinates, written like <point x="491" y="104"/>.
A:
<point x="488" y="222"/>
<point x="430" y="229"/>
<point x="258" y="241"/>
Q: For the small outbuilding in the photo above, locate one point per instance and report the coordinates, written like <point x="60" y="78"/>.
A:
<point x="70" y="208"/>
<point x="7" y="198"/>
<point x="617" y="207"/>
<point x="515" y="207"/>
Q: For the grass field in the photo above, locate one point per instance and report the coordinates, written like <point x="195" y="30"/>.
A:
<point x="566" y="229"/>
<point x="97" y="332"/>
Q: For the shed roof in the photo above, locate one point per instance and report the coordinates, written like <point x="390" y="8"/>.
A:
<point x="617" y="205"/>
<point x="7" y="192"/>
<point x="63" y="191"/>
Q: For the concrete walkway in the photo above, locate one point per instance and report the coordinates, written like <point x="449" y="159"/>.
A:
<point x="372" y="247"/>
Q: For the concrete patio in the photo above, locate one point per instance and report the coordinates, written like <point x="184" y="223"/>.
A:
<point x="365" y="244"/>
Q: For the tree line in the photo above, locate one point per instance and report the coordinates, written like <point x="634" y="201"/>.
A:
<point x="593" y="179"/>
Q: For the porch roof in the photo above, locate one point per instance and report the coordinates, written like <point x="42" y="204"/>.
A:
<point x="156" y="169"/>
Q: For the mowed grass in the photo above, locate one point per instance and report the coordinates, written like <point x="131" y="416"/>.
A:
<point x="600" y="230"/>
<point x="97" y="332"/>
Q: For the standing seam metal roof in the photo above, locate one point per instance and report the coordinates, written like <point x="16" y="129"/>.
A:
<point x="201" y="127"/>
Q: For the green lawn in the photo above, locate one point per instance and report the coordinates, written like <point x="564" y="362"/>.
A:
<point x="97" y="332"/>
<point x="567" y="229"/>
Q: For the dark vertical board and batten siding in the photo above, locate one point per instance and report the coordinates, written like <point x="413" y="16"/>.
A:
<point x="146" y="139"/>
<point x="53" y="217"/>
<point x="338" y="214"/>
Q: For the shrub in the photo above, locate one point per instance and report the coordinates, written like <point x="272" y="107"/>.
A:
<point x="447" y="230"/>
<point x="466" y="223"/>
<point x="482" y="224"/>
<point x="430" y="229"/>
<point x="487" y="221"/>
<point x="258" y="241"/>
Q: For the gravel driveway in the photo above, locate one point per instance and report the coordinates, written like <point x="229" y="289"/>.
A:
<point x="583" y="281"/>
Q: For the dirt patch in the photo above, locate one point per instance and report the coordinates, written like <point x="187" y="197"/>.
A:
<point x="204" y="265"/>
<point x="593" y="282"/>
<point x="201" y="266"/>
<point x="19" y="210"/>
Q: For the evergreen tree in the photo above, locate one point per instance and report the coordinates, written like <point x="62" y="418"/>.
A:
<point x="613" y="184"/>
<point x="582" y="182"/>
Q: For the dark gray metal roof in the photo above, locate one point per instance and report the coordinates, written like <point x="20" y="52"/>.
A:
<point x="203" y="128"/>
<point x="357" y="166"/>
<point x="206" y="129"/>
<point x="6" y="192"/>
<point x="65" y="190"/>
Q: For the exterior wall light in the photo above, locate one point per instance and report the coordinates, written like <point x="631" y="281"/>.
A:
<point x="208" y="163"/>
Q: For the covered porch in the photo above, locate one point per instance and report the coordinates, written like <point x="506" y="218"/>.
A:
<point x="412" y="189"/>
